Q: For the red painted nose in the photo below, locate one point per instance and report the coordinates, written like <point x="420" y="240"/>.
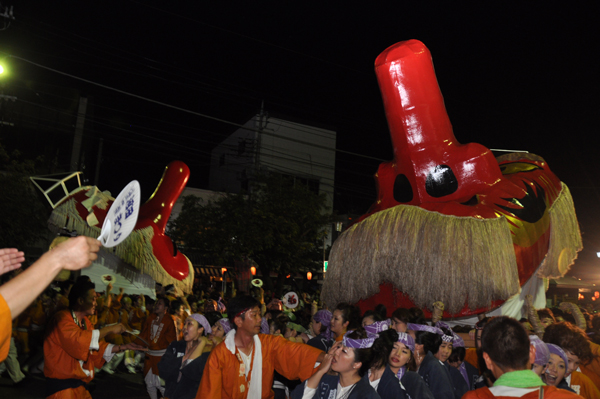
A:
<point x="430" y="164"/>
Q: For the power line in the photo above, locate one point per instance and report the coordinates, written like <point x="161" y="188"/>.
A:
<point x="265" y="132"/>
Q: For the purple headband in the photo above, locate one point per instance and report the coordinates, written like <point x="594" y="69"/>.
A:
<point x="324" y="317"/>
<point x="225" y="324"/>
<point x="424" y="327"/>
<point x="407" y="340"/>
<point x="378" y="327"/>
<point x="264" y="326"/>
<point x="557" y="350"/>
<point x="542" y="353"/>
<point x="220" y="305"/>
<point x="358" y="343"/>
<point x="455" y="338"/>
<point x="202" y="322"/>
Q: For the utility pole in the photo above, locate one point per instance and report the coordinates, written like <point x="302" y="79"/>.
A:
<point x="98" y="163"/>
<point x="78" y="137"/>
<point x="259" y="129"/>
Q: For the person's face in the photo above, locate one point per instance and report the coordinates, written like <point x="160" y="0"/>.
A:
<point x="217" y="331"/>
<point x="455" y="364"/>
<point x="444" y="351"/>
<point x="546" y="321"/>
<point x="343" y="360"/>
<point x="191" y="330"/>
<point x="539" y="369"/>
<point x="180" y="311"/>
<point x="316" y="328"/>
<point x="367" y="321"/>
<point x="138" y="302"/>
<point x="88" y="303"/>
<point x="399" y="356"/>
<point x="556" y="370"/>
<point x="573" y="363"/>
<point x="478" y="338"/>
<point x="194" y="307"/>
<point x="159" y="307"/>
<point x="210" y="306"/>
<point x="399" y="325"/>
<point x="338" y="326"/>
<point x="251" y="322"/>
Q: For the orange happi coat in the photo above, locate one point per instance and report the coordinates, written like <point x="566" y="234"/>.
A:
<point x="5" y="329"/>
<point x="160" y="341"/>
<point x="223" y="378"/>
<point x="584" y="386"/>
<point x="67" y="352"/>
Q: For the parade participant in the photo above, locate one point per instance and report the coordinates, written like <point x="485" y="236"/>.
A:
<point x="573" y="341"/>
<point x="159" y="332"/>
<point x="542" y="354"/>
<point x="219" y="330"/>
<point x="243" y="364"/>
<point x="387" y="351"/>
<point x="456" y="360"/>
<point x="277" y="326"/>
<point x="16" y="295"/>
<point x="508" y="354"/>
<point x="345" y="317"/>
<point x="557" y="368"/>
<point x="351" y="359"/>
<point x="183" y="363"/>
<point x="321" y="322"/>
<point x="432" y="369"/>
<point x="370" y="317"/>
<point x="400" y="319"/>
<point x="137" y="318"/>
<point x="72" y="348"/>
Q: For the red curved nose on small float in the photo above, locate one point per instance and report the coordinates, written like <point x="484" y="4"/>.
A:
<point x="156" y="212"/>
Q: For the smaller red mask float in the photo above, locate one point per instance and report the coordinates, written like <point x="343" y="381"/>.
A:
<point x="148" y="253"/>
<point x="451" y="223"/>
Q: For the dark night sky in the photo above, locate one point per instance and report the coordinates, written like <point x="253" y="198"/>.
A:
<point x="514" y="75"/>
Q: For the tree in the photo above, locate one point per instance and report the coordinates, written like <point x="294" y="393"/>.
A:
<point x="280" y="225"/>
<point x="23" y="215"/>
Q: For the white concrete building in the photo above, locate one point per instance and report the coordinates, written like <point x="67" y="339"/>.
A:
<point x="304" y="152"/>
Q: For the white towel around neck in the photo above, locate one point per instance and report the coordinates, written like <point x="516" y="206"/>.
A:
<point x="255" y="389"/>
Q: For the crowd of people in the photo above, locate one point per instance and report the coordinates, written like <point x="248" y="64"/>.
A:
<point x="206" y="345"/>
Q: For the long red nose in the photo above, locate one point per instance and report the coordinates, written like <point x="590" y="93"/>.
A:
<point x="158" y="208"/>
<point x="430" y="165"/>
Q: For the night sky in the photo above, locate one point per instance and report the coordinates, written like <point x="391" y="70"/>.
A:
<point x="514" y="76"/>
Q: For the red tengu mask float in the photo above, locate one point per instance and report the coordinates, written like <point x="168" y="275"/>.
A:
<point x="148" y="254"/>
<point x="451" y="223"/>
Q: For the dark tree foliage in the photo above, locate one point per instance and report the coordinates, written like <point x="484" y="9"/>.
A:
<point x="280" y="225"/>
<point x="23" y="214"/>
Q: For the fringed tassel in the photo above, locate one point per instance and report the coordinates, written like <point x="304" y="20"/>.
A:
<point x="565" y="237"/>
<point x="136" y="250"/>
<point x="426" y="255"/>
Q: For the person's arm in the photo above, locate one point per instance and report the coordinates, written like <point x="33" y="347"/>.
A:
<point x="121" y="292"/>
<point x="72" y="254"/>
<point x="108" y="297"/>
<point x="315" y="379"/>
<point x="10" y="259"/>
<point x="114" y="329"/>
